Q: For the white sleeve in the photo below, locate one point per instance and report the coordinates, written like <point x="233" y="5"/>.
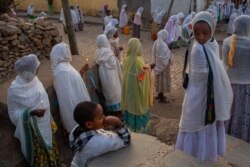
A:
<point x="99" y="144"/>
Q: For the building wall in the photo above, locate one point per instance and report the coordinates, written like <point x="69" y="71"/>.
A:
<point x="90" y="7"/>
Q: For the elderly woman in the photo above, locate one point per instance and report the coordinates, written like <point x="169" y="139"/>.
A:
<point x="137" y="94"/>
<point x="110" y="75"/>
<point x="69" y="85"/>
<point x="137" y="23"/>
<point x="161" y="57"/>
<point x="123" y="21"/>
<point x="29" y="111"/>
<point x="236" y="59"/>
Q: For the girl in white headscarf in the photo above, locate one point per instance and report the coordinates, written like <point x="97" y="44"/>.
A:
<point x="110" y="75"/>
<point x="123" y="21"/>
<point x="137" y="23"/>
<point x="208" y="97"/>
<point x="161" y="57"/>
<point x="173" y="27"/>
<point x="236" y="59"/>
<point x="112" y="34"/>
<point x="69" y="85"/>
<point x="29" y="111"/>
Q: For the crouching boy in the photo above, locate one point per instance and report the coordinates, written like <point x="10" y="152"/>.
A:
<point x="89" y="139"/>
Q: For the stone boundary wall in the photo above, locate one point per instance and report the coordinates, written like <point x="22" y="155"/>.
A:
<point x="19" y="37"/>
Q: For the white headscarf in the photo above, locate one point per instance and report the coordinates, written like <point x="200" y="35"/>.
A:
<point x="242" y="26"/>
<point x="123" y="17"/>
<point x="60" y="53"/>
<point x="104" y="49"/>
<point x="110" y="28"/>
<point x="161" y="55"/>
<point x="26" y="67"/>
<point x="140" y="10"/>
<point x="223" y="94"/>
<point x="158" y="14"/>
<point x="25" y="94"/>
<point x="69" y="85"/>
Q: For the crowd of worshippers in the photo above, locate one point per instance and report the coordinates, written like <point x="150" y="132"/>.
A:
<point x="100" y="104"/>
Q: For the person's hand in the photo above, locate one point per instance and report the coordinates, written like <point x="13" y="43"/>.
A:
<point x="84" y="69"/>
<point x="38" y="112"/>
<point x="152" y="66"/>
<point x="112" y="121"/>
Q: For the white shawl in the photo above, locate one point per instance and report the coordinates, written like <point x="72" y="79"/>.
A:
<point x="69" y="85"/>
<point x="161" y="55"/>
<point x="123" y="21"/>
<point x="109" y="71"/>
<point x="31" y="95"/>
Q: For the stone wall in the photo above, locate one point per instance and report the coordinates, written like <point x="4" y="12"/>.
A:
<point x="19" y="38"/>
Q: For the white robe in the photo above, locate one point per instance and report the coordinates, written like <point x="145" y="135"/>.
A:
<point x="30" y="10"/>
<point x="70" y="89"/>
<point x="195" y="100"/>
<point x="123" y="21"/>
<point x="23" y="96"/>
<point x="75" y="19"/>
<point x="79" y="15"/>
<point x="110" y="75"/>
<point x="107" y="19"/>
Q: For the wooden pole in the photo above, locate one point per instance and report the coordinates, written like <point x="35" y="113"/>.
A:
<point x="170" y="7"/>
<point x="70" y="28"/>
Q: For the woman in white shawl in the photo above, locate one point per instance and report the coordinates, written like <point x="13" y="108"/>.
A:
<point x="208" y="97"/>
<point x="173" y="27"/>
<point x="110" y="75"/>
<point x="161" y="57"/>
<point x="69" y="85"/>
<point x="112" y="34"/>
<point x="236" y="59"/>
<point x="123" y="21"/>
<point x="29" y="111"/>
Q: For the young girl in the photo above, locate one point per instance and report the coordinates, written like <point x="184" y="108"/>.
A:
<point x="161" y="57"/>
<point x="137" y="23"/>
<point x="136" y="89"/>
<point x="110" y="75"/>
<point x="236" y="60"/>
<point x="208" y="97"/>
<point x="89" y="138"/>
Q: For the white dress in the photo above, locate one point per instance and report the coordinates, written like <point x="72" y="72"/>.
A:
<point x="204" y="142"/>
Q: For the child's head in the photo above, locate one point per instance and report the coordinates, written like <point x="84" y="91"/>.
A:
<point x="108" y="12"/>
<point x="203" y="27"/>
<point x="89" y="115"/>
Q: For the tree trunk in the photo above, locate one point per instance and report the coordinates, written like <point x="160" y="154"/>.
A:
<point x="70" y="28"/>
